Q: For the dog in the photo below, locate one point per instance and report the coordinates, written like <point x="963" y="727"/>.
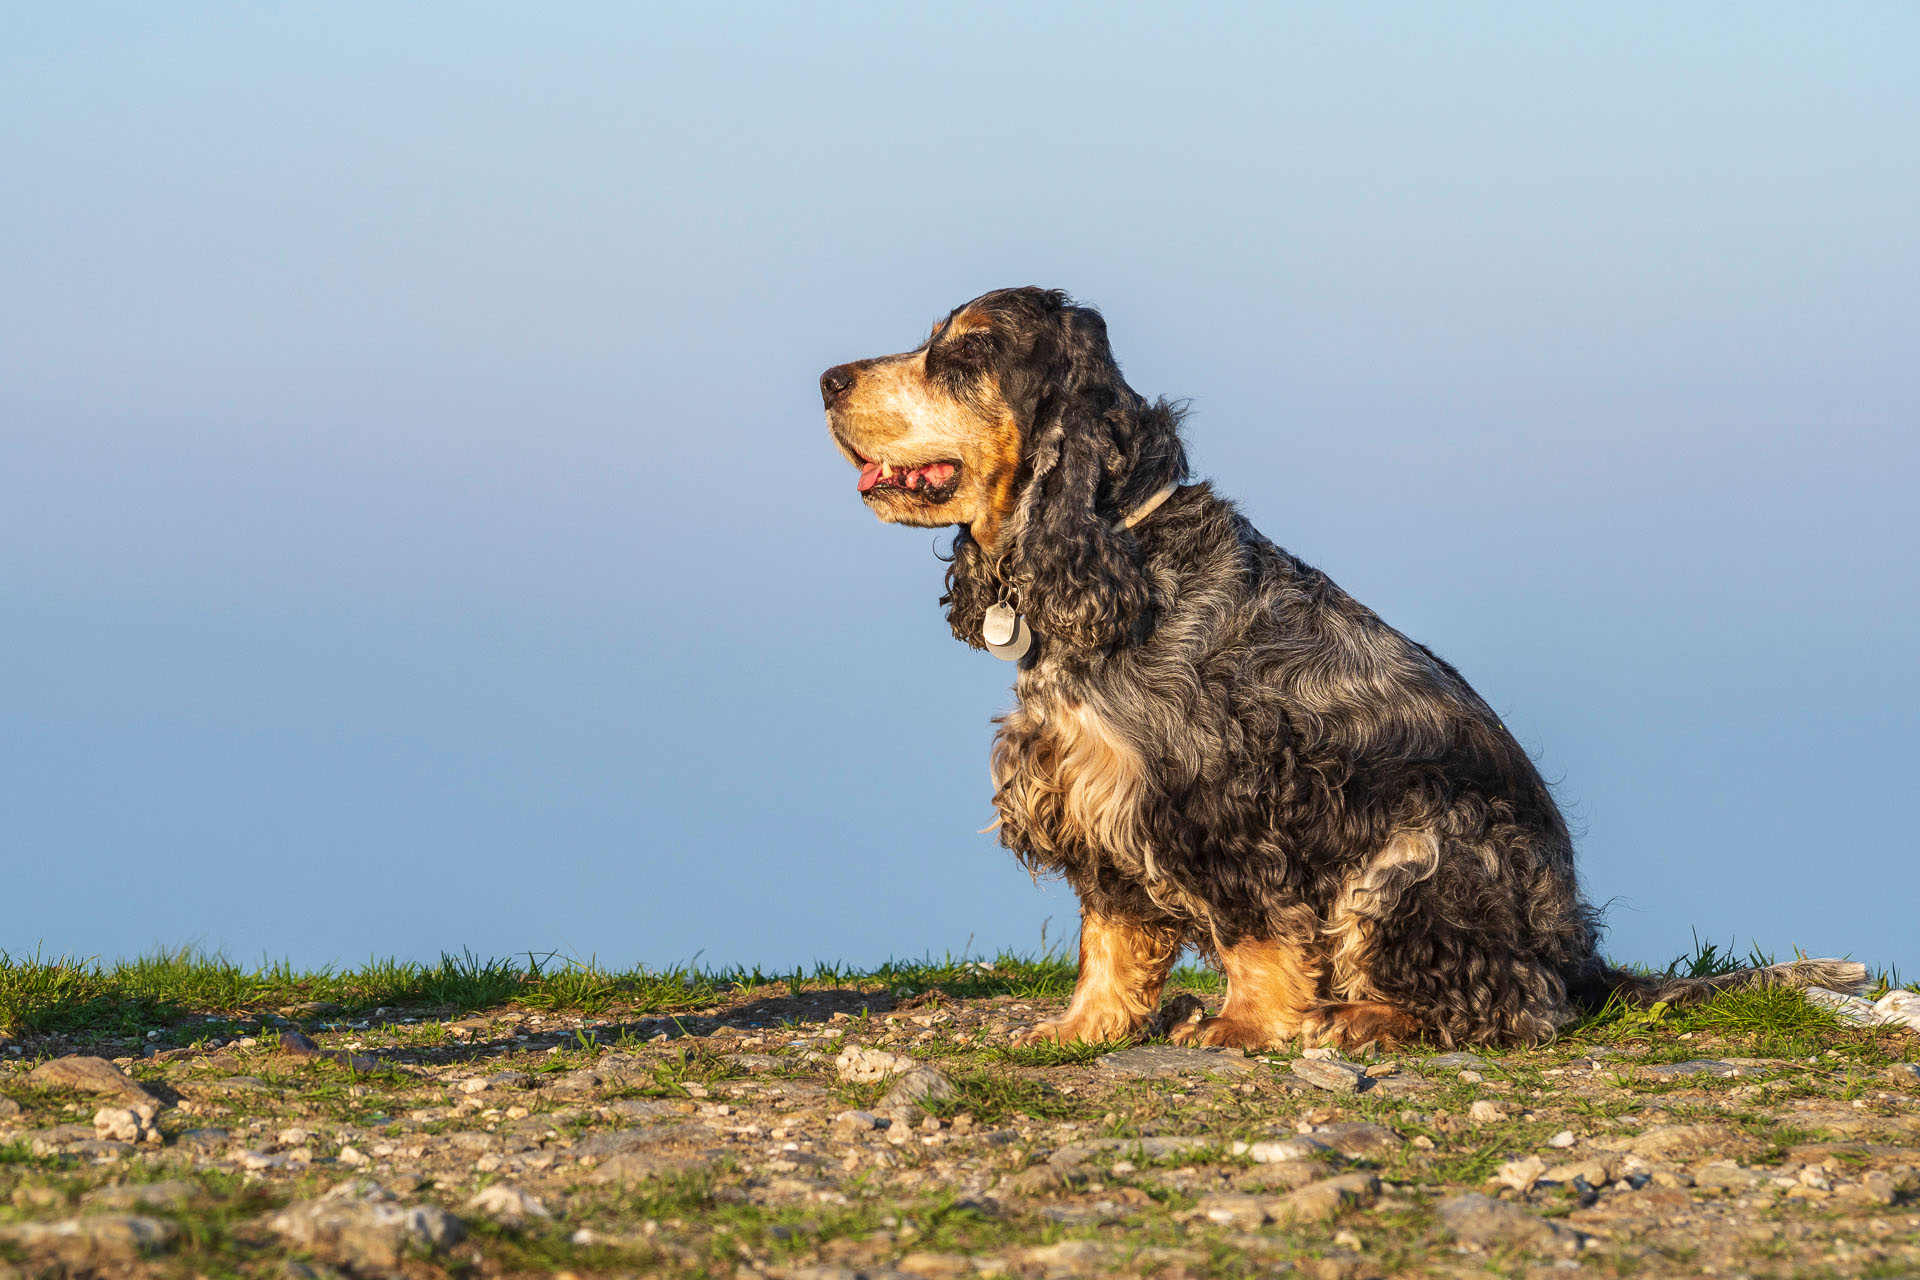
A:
<point x="1214" y="744"/>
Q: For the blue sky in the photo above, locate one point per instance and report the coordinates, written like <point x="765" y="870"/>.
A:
<point x="417" y="530"/>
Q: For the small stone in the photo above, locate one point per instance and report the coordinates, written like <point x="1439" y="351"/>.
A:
<point x="918" y="1086"/>
<point x="96" y="1236"/>
<point x="1319" y="1201"/>
<point x="1904" y="1075"/>
<point x="364" y="1226"/>
<point x="1454" y="1061"/>
<point x="508" y="1204"/>
<point x="857" y="1065"/>
<point x="854" y="1124"/>
<point x="89" y="1075"/>
<point x="1357" y="1139"/>
<point x="170" y="1196"/>
<point x="1850" y="1010"/>
<point x="1520" y="1174"/>
<point x="1899" y="1005"/>
<point x="1335" y="1077"/>
<point x="474" y="1084"/>
<point x="8" y="1108"/>
<point x="1562" y="1139"/>
<point x="1472" y="1077"/>
<point x="1381" y="1070"/>
<point x="1479" y="1220"/>
<point x="1692" y="1067"/>
<point x="351" y="1155"/>
<point x="1486" y="1111"/>
<point x="1149" y="1060"/>
<point x="126" y="1124"/>
<point x="1301" y="1148"/>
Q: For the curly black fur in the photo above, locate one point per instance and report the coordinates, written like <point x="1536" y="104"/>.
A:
<point x="1287" y="736"/>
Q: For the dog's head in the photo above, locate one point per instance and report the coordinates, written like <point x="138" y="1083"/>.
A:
<point x="1012" y="421"/>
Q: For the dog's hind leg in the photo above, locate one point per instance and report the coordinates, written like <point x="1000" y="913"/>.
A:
<point x="1123" y="966"/>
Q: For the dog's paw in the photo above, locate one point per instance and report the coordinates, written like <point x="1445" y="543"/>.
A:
<point x="1229" y="1033"/>
<point x="1073" y="1030"/>
<point x="1349" y="1026"/>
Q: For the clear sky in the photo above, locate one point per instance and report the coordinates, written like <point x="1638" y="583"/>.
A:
<point x="418" y="531"/>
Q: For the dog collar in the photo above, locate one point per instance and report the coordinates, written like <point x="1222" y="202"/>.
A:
<point x="1145" y="509"/>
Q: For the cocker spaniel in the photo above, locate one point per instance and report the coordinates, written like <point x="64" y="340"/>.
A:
<point x="1213" y="743"/>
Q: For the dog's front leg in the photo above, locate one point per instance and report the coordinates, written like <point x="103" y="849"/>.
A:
<point x="1123" y="966"/>
<point x="1271" y="985"/>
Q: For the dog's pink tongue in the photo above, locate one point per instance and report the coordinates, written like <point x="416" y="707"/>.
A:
<point x="869" y="476"/>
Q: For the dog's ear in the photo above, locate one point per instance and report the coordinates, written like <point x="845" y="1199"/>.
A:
<point x="1083" y="583"/>
<point x="971" y="590"/>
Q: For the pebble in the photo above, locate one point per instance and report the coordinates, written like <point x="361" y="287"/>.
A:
<point x="1520" y="1174"/>
<point x="96" y="1236"/>
<point x="1852" y="1011"/>
<point x="1148" y="1060"/>
<point x="1478" y="1220"/>
<point x="508" y="1204"/>
<point x="857" y="1065"/>
<point x="1301" y="1148"/>
<point x="919" y="1085"/>
<point x="89" y="1075"/>
<point x="1455" y="1061"/>
<point x="127" y="1124"/>
<point x="1485" y="1111"/>
<point x="365" y="1226"/>
<point x="1562" y="1139"/>
<point x="1335" y="1077"/>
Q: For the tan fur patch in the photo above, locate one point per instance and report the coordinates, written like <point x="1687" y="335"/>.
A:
<point x="1123" y="965"/>
<point x="1370" y="895"/>
<point x="1271" y="986"/>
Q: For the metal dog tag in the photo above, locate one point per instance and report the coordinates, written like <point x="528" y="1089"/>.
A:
<point x="998" y="626"/>
<point x="1016" y="647"/>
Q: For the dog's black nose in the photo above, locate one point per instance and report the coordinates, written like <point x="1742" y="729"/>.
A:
<point x="834" y="383"/>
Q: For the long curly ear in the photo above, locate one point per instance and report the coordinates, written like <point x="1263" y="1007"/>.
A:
<point x="971" y="590"/>
<point x="1083" y="584"/>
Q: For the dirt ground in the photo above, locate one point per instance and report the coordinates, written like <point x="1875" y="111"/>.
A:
<point x="840" y="1132"/>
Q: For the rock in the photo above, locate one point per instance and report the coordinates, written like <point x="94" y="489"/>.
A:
<point x="1302" y="1148"/>
<point x="1852" y="1011"/>
<point x="300" y="1046"/>
<point x="938" y="1266"/>
<point x="352" y="1156"/>
<point x="308" y="1009"/>
<point x="208" y="1139"/>
<point x="581" y="1081"/>
<point x="90" y="1075"/>
<point x="917" y="1087"/>
<point x="364" y="1225"/>
<point x="856" y="1065"/>
<point x="507" y="1204"/>
<point x="1236" y="1209"/>
<point x="1681" y="1140"/>
<point x="1159" y="1147"/>
<point x="8" y="1108"/>
<point x="1486" y="1111"/>
<point x="1692" y="1067"/>
<point x="1520" y="1174"/>
<point x="1596" y="1171"/>
<point x="1477" y="1220"/>
<point x="1315" y="1202"/>
<point x="1727" y="1177"/>
<point x="1904" y="1075"/>
<point x="171" y="1196"/>
<point x="1562" y="1139"/>
<point x="1319" y="1201"/>
<point x="1899" y="1006"/>
<point x="854" y="1124"/>
<point x="127" y="1124"/>
<point x="1335" y="1077"/>
<point x="1454" y="1061"/>
<point x="1281" y="1175"/>
<point x="755" y="1062"/>
<point x="1876" y="1186"/>
<point x="620" y="1141"/>
<point x="1358" y="1140"/>
<point x="1148" y="1060"/>
<point x="96" y="1237"/>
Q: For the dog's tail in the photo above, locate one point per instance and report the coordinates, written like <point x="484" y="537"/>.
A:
<point x="1847" y="976"/>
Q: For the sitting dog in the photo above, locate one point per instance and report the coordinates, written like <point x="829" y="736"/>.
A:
<point x="1213" y="743"/>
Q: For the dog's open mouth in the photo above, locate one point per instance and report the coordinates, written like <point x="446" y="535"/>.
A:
<point x="930" y="481"/>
